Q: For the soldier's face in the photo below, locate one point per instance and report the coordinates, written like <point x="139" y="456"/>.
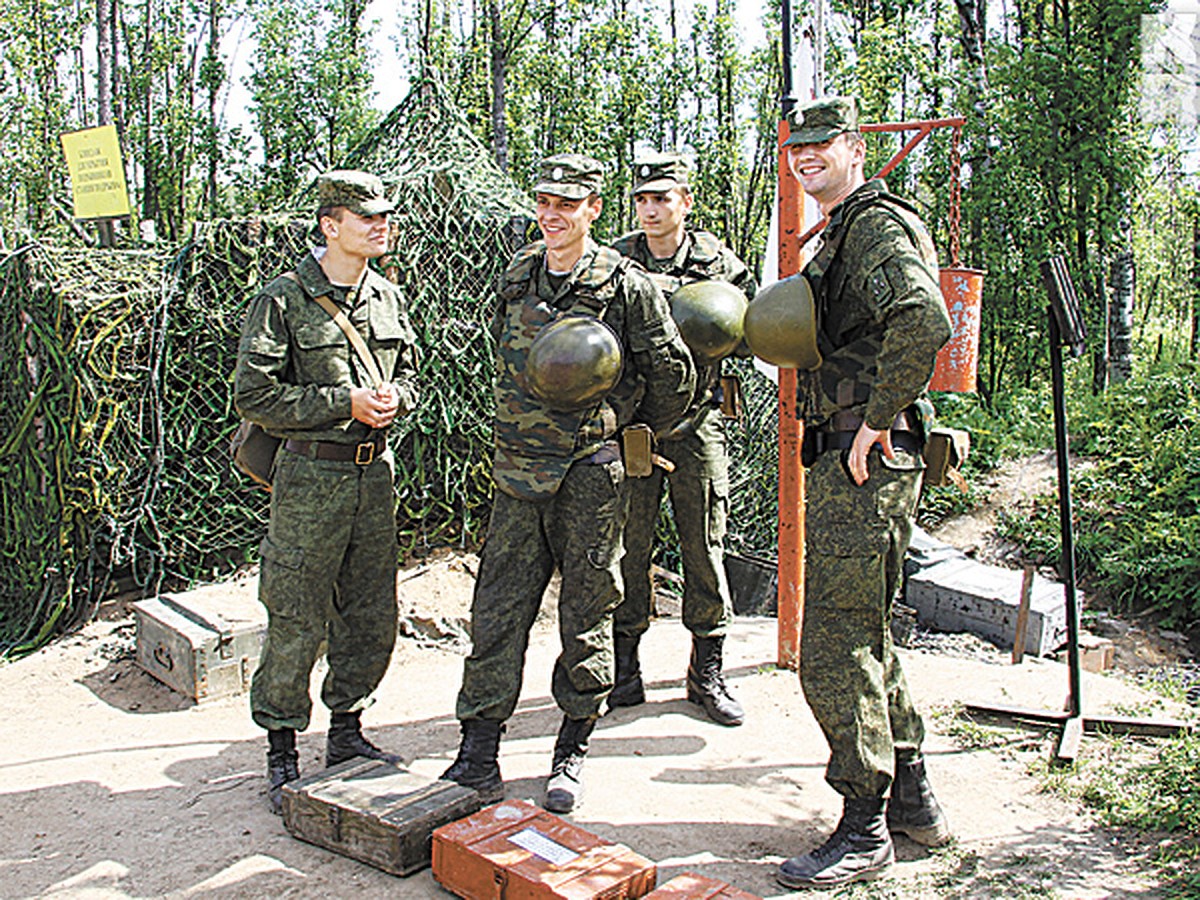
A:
<point x="662" y="213"/>
<point x="364" y="236"/>
<point x="830" y="170"/>
<point x="566" y="223"/>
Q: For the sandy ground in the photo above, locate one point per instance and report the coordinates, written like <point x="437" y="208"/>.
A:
<point x="113" y="786"/>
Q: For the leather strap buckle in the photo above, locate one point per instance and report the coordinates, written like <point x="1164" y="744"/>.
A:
<point x="364" y="453"/>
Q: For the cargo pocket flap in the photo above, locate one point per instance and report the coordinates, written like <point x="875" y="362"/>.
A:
<point x="287" y="557"/>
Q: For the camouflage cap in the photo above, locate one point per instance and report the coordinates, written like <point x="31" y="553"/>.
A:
<point x="570" y="175"/>
<point x="659" y="172"/>
<point x="820" y="120"/>
<point x="360" y="192"/>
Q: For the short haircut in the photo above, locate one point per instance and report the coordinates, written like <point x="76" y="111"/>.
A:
<point x="333" y="212"/>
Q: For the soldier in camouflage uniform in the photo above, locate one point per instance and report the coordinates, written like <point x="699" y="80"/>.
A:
<point x="329" y="556"/>
<point x="675" y="255"/>
<point x="558" y="474"/>
<point x="880" y="320"/>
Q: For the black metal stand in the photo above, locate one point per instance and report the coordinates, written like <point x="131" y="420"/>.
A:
<point x="1072" y="727"/>
<point x="1066" y="330"/>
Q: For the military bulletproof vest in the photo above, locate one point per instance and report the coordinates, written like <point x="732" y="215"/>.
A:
<point x="536" y="445"/>
<point x="848" y="371"/>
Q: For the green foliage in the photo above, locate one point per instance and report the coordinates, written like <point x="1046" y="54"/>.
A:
<point x="311" y="90"/>
<point x="1155" y="791"/>
<point x="1136" y="501"/>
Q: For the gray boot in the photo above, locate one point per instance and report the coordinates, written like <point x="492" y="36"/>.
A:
<point x="860" y="849"/>
<point x="628" y="689"/>
<point x="345" y="741"/>
<point x="283" y="765"/>
<point x="477" y="766"/>
<point x="564" y="789"/>
<point x="706" y="682"/>
<point x="912" y="809"/>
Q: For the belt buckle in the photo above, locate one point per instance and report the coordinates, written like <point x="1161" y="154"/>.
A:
<point x="364" y="453"/>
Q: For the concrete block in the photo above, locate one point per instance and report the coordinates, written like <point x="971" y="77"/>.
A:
<point x="960" y="594"/>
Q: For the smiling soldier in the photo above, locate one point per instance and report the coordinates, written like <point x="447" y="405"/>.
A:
<point x="881" y="321"/>
<point x="582" y="339"/>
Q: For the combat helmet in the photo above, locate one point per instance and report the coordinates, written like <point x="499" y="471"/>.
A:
<point x="573" y="362"/>
<point x="781" y="325"/>
<point x="709" y="315"/>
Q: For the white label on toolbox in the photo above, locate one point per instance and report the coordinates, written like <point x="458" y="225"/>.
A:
<point x="541" y="846"/>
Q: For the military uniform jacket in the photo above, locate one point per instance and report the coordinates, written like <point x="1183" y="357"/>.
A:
<point x="296" y="367"/>
<point x="701" y="257"/>
<point x="536" y="445"/>
<point x="880" y="314"/>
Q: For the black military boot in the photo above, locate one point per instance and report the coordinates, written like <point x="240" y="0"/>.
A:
<point x="564" y="789"/>
<point x="860" y="849"/>
<point x="477" y="766"/>
<point x="283" y="764"/>
<point x="345" y="741"/>
<point x="706" y="683"/>
<point x="912" y="809"/>
<point x="628" y="689"/>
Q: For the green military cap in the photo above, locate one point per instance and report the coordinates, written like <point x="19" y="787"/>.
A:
<point x="570" y="175"/>
<point x="820" y="120"/>
<point x="659" y="172"/>
<point x="360" y="192"/>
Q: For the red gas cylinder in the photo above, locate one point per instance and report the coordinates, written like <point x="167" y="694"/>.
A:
<point x="958" y="361"/>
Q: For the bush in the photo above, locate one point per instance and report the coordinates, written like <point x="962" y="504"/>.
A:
<point x="1137" y="507"/>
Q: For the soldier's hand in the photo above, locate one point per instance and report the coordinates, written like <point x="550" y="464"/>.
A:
<point x="376" y="408"/>
<point x="864" y="439"/>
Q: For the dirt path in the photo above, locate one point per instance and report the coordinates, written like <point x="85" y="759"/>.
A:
<point x="113" y="787"/>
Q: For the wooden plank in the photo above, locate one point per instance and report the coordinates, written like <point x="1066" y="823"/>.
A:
<point x="692" y="886"/>
<point x="1018" y="651"/>
<point x="1105" y="724"/>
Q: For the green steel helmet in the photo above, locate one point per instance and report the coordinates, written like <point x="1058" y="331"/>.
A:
<point x="573" y="362"/>
<point x="781" y="325"/>
<point x="709" y="315"/>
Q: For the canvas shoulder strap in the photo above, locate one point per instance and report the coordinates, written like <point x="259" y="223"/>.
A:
<point x="356" y="340"/>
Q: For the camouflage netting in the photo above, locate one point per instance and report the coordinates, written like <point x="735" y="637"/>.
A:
<point x="116" y="412"/>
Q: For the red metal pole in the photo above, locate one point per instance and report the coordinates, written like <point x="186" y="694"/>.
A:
<point x="790" y="578"/>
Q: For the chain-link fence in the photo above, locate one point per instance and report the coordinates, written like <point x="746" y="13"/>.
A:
<point x="116" y="413"/>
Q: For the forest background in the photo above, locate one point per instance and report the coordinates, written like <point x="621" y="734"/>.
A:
<point x="1080" y="122"/>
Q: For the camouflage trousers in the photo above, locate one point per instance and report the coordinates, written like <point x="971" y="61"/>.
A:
<point x="856" y="541"/>
<point x="328" y="574"/>
<point x="699" y="495"/>
<point x="578" y="530"/>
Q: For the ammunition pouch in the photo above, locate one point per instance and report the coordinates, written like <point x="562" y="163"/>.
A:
<point x="945" y="450"/>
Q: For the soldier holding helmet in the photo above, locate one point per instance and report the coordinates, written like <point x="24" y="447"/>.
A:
<point x="880" y="322"/>
<point x="674" y="256"/>
<point x="558" y="471"/>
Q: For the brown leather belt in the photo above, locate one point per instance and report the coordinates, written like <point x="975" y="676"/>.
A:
<point x="845" y="420"/>
<point x="361" y="454"/>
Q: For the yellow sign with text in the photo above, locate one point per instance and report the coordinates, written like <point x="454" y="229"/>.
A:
<point x="97" y="174"/>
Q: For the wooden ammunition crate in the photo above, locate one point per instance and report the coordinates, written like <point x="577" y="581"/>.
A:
<point x="375" y="812"/>
<point x="516" y="851"/>
<point x="203" y="643"/>
<point x="698" y="887"/>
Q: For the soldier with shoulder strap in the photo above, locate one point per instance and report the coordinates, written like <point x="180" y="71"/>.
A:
<point x="880" y="322"/>
<point x="697" y="273"/>
<point x="329" y="556"/>
<point x="560" y="404"/>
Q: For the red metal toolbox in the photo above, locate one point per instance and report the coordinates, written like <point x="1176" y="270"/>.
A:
<point x="698" y="887"/>
<point x="516" y="851"/>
